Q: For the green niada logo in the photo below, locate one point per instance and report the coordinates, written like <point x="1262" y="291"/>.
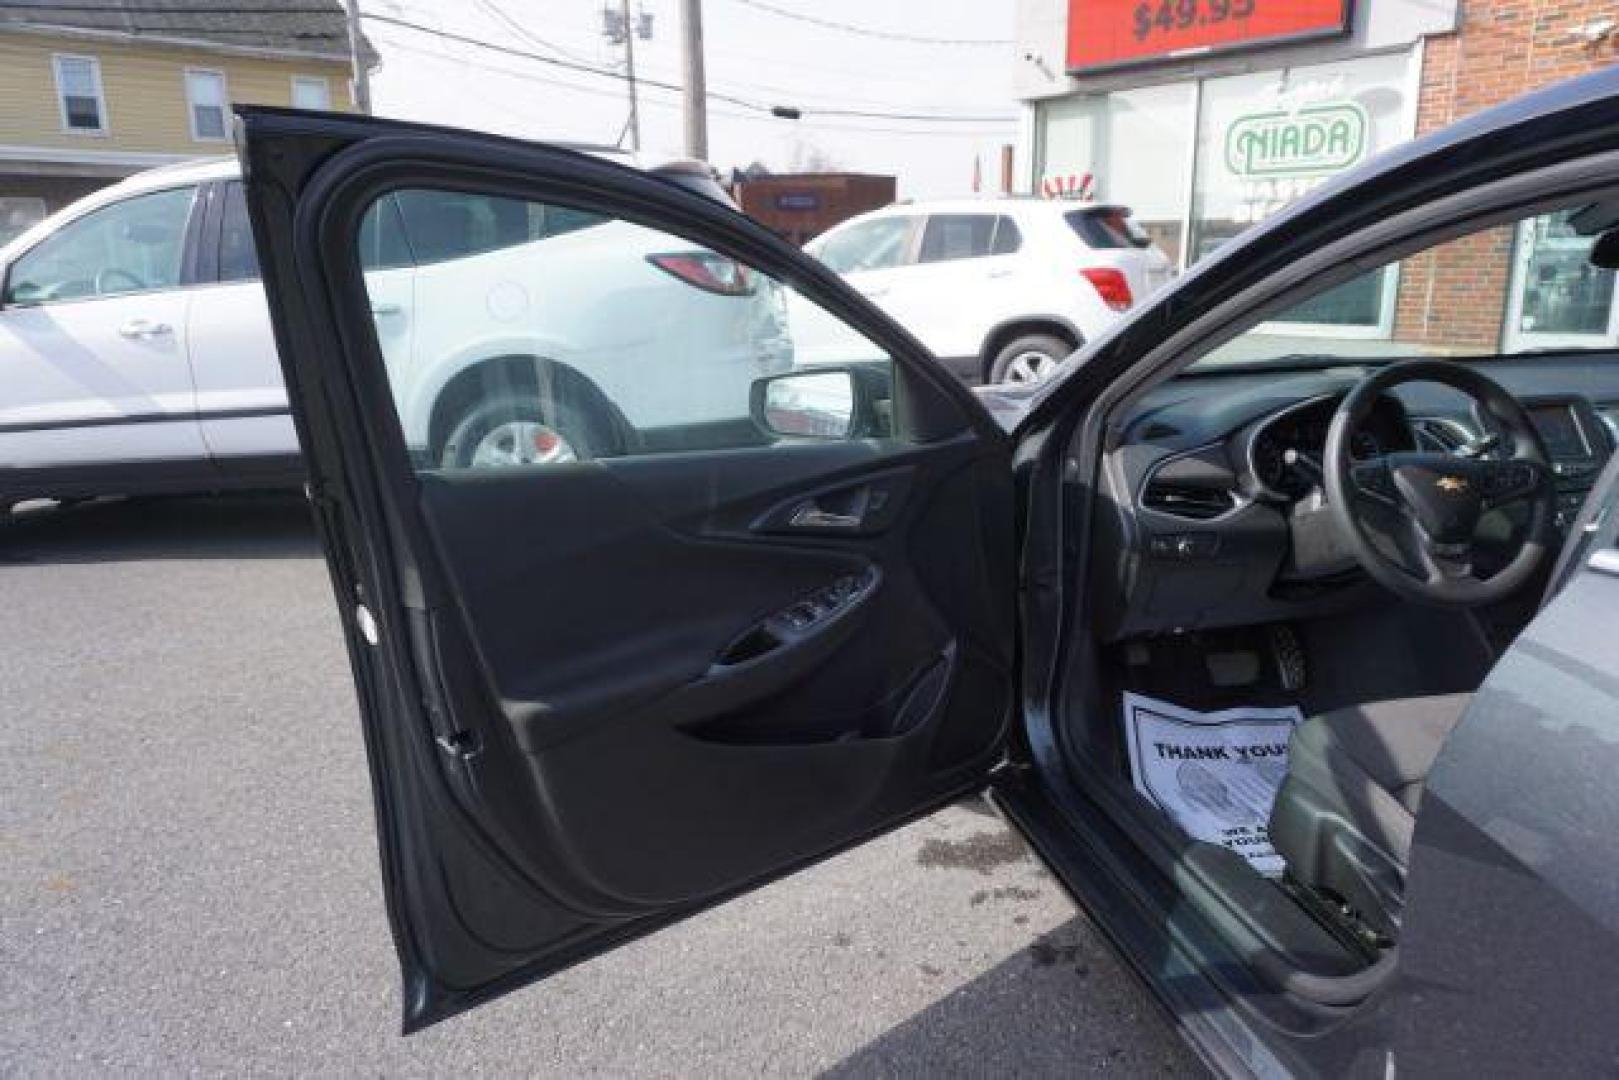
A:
<point x="1313" y="140"/>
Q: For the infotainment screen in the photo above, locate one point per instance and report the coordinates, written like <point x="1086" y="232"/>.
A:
<point x="1560" y="430"/>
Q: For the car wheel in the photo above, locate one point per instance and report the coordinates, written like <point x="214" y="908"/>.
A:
<point x="521" y="431"/>
<point x="1030" y="358"/>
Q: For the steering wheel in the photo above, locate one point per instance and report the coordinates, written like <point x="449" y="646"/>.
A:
<point x="105" y="277"/>
<point x="1428" y="505"/>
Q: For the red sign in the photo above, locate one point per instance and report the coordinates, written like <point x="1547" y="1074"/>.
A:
<point x="1112" y="33"/>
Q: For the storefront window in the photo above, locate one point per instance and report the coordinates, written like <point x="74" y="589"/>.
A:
<point x="1133" y="146"/>
<point x="1267" y="139"/>
<point x="1455" y="298"/>
<point x="1559" y="298"/>
<point x="1225" y="153"/>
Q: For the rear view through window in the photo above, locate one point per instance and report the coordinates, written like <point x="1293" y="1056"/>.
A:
<point x="535" y="333"/>
<point x="1107" y="227"/>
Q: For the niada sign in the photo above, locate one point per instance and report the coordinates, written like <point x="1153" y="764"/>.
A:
<point x="1311" y="141"/>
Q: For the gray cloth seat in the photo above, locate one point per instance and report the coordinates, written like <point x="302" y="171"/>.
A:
<point x="1344" y="816"/>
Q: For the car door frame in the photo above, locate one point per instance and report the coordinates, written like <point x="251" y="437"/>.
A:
<point x="363" y="498"/>
<point x="1359" y="220"/>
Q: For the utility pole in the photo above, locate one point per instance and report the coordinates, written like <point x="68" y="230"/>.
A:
<point x="361" y="76"/>
<point x="629" y="62"/>
<point x="691" y="50"/>
<point x="618" y="29"/>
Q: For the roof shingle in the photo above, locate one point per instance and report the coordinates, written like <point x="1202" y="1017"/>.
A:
<point x="299" y="26"/>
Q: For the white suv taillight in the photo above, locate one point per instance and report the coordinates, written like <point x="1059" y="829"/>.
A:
<point x="1111" y="286"/>
<point x="707" y="271"/>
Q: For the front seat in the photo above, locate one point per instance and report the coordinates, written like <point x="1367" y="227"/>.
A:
<point x="1343" y="817"/>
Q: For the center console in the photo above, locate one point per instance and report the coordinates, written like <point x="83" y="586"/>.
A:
<point x="1578" y="445"/>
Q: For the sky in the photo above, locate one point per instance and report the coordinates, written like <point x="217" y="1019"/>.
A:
<point x="754" y="54"/>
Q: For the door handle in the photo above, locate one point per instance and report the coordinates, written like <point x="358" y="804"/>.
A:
<point x="144" y="328"/>
<point x="385" y="308"/>
<point x="809" y="515"/>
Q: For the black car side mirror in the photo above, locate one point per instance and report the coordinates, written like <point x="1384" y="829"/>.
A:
<point x="829" y="403"/>
<point x="1605" y="251"/>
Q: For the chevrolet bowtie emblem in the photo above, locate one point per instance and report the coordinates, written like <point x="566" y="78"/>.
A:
<point x="1451" y="484"/>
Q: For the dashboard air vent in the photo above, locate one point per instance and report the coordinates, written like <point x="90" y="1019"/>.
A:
<point x="1187" y="501"/>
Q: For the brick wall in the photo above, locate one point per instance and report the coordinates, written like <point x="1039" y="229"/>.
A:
<point x="1455" y="295"/>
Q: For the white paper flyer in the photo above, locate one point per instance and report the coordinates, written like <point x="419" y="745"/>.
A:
<point x="1216" y="774"/>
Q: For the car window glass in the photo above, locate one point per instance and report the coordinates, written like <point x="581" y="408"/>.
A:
<point x="1524" y="287"/>
<point x="238" y="261"/>
<point x="601" y="337"/>
<point x="1108" y="227"/>
<point x="956" y="236"/>
<point x="132" y="245"/>
<point x="1007" y="239"/>
<point x="867" y="245"/>
<point x="452" y="225"/>
<point x="382" y="236"/>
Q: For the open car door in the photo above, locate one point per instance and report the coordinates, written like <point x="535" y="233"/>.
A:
<point x="641" y="614"/>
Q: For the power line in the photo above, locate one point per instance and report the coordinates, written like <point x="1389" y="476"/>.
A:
<point x="609" y="73"/>
<point x="866" y="31"/>
<point x="738" y="114"/>
<point x="569" y="65"/>
<point x="499" y="15"/>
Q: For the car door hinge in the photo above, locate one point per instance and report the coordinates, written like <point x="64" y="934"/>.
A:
<point x="455" y="741"/>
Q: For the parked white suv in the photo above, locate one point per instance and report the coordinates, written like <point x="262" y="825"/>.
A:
<point x="1003" y="289"/>
<point x="138" y="354"/>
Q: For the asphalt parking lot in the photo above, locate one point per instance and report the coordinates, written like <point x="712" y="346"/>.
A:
<point x="189" y="875"/>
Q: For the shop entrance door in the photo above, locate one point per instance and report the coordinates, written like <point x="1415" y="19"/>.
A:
<point x="1557" y="298"/>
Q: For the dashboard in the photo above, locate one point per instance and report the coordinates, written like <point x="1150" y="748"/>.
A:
<point x="1219" y="514"/>
<point x="1284" y="453"/>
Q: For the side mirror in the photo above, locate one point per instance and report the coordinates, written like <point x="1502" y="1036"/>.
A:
<point x="1605" y="251"/>
<point x="843" y="402"/>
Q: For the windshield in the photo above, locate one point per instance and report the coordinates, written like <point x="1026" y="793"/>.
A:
<point x="1524" y="287"/>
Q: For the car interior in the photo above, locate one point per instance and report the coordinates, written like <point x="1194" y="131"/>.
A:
<point x="1330" y="496"/>
<point x="1349" y="509"/>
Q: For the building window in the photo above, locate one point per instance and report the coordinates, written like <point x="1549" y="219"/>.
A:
<point x="1267" y="139"/>
<point x="206" y="99"/>
<point x="1127" y="148"/>
<point x="18" y="213"/>
<point x="311" y="92"/>
<point x="78" y="88"/>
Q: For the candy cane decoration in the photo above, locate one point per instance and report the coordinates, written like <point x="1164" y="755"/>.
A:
<point x="1074" y="186"/>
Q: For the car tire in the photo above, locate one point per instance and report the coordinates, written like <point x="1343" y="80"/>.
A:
<point x="522" y="430"/>
<point x="1029" y="358"/>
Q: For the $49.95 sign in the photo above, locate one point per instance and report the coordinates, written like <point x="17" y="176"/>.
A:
<point x="1112" y="33"/>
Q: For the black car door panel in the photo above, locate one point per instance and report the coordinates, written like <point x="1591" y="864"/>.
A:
<point x="599" y="695"/>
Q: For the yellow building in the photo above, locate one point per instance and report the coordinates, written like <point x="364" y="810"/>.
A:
<point x="100" y="89"/>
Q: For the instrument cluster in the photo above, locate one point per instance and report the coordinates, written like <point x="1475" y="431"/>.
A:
<point x="1286" y="453"/>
